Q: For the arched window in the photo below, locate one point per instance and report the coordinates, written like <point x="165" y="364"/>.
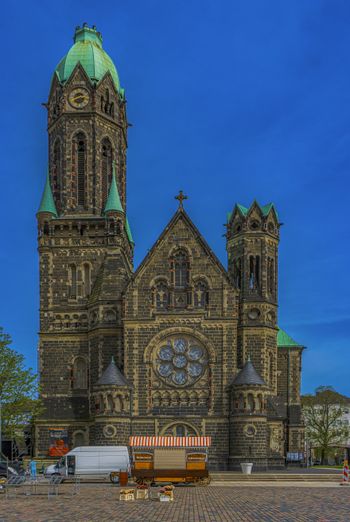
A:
<point x="118" y="404"/>
<point x="181" y="269"/>
<point x="201" y="294"/>
<point x="110" y="403"/>
<point x="73" y="279"/>
<point x="56" y="173"/>
<point x="260" y="403"/>
<point x="106" y="169"/>
<point x="161" y="296"/>
<point x="241" y="402"/>
<point x="254" y="272"/>
<point x="237" y="272"/>
<point x="79" y="439"/>
<point x="271" y="275"/>
<point x="250" y="402"/>
<point x="87" y="279"/>
<point x="79" y="167"/>
<point x="270" y="368"/>
<point x="79" y="374"/>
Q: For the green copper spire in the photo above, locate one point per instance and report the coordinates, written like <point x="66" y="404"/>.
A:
<point x="87" y="50"/>
<point x="113" y="203"/>
<point x="128" y="231"/>
<point x="47" y="203"/>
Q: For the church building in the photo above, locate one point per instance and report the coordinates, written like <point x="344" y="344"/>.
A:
<point x="182" y="345"/>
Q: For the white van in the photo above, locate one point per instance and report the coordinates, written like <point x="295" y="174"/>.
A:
<point x="92" y="462"/>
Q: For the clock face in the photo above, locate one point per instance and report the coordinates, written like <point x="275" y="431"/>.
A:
<point x="78" y="98"/>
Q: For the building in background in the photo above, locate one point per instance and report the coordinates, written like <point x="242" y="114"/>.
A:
<point x="181" y="346"/>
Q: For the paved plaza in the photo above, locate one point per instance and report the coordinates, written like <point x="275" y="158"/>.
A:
<point x="205" y="504"/>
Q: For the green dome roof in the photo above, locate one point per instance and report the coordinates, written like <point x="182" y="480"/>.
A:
<point x="87" y="50"/>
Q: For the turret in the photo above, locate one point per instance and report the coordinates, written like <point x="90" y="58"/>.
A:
<point x="112" y="396"/>
<point x="248" y="418"/>
<point x="252" y="248"/>
<point x="47" y="208"/>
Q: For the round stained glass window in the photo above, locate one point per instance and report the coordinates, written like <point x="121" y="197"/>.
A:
<point x="181" y="361"/>
<point x="166" y="353"/>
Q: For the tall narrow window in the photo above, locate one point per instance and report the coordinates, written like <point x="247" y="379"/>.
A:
<point x="73" y="278"/>
<point x="79" y="374"/>
<point x="250" y="402"/>
<point x="161" y="295"/>
<point x="181" y="270"/>
<point x="254" y="272"/>
<point x="87" y="279"/>
<point x="270" y="369"/>
<point x="57" y="173"/>
<point x="106" y="169"/>
<point x="79" y="161"/>
<point x="237" y="272"/>
<point x="201" y="295"/>
<point x="271" y="275"/>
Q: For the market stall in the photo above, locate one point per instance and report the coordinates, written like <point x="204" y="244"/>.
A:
<point x="170" y="459"/>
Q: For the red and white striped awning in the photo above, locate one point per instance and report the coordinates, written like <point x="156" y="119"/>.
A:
<point x="170" y="442"/>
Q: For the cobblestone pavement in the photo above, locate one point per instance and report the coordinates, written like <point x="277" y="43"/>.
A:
<point x="205" y="504"/>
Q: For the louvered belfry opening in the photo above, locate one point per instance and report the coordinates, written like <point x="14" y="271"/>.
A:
<point x="80" y="165"/>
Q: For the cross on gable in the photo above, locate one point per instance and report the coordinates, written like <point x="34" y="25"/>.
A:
<point x="181" y="197"/>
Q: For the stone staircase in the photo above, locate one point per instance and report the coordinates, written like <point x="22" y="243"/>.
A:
<point x="237" y="477"/>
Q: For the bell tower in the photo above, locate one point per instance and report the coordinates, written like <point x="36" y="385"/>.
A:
<point x="87" y="127"/>
<point x="84" y="238"/>
<point x="252" y="248"/>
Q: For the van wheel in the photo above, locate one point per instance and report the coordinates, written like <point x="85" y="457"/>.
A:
<point x="114" y="477"/>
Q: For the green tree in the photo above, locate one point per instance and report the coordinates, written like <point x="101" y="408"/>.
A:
<point x="323" y="415"/>
<point x="18" y="390"/>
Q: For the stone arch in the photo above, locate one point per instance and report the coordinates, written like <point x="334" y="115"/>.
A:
<point x="156" y="398"/>
<point x="201" y="277"/>
<point x="168" y="426"/>
<point x="159" y="337"/>
<point x="79" y="439"/>
<point x="178" y="248"/>
<point x="159" y="279"/>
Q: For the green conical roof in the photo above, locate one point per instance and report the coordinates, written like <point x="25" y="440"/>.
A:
<point x="113" y="203"/>
<point x="47" y="203"/>
<point x="87" y="50"/>
<point x="283" y="339"/>
<point x="128" y="231"/>
<point x="265" y="209"/>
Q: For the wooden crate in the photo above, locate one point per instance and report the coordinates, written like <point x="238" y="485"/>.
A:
<point x="142" y="494"/>
<point x="127" y="496"/>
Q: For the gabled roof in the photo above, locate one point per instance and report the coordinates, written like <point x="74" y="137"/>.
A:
<point x="283" y="339"/>
<point x="265" y="209"/>
<point x="112" y="376"/>
<point x="47" y="203"/>
<point x="182" y="214"/>
<point x="113" y="203"/>
<point x="247" y="376"/>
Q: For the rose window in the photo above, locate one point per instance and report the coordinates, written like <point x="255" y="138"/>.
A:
<point x="181" y="361"/>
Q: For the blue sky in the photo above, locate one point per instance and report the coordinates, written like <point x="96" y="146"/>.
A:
<point x="229" y="101"/>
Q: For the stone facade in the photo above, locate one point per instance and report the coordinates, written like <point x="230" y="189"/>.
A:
<point x="180" y="328"/>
